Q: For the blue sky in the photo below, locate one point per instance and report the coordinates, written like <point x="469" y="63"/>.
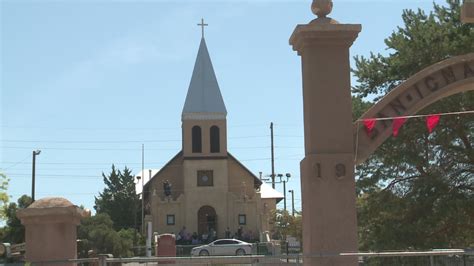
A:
<point x="88" y="82"/>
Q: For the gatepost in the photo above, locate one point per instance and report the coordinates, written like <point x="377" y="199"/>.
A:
<point x="51" y="230"/>
<point x="166" y="247"/>
<point x="327" y="171"/>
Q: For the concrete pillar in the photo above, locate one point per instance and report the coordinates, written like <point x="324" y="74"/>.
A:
<point x="327" y="171"/>
<point x="51" y="230"/>
<point x="166" y="247"/>
<point x="467" y="11"/>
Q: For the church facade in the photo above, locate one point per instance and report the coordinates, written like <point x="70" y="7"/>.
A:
<point x="203" y="187"/>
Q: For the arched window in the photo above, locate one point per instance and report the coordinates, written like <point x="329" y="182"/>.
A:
<point x="197" y="142"/>
<point x="215" y="139"/>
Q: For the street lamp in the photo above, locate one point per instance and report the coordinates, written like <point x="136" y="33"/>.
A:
<point x="135" y="222"/>
<point x="143" y="200"/>
<point x="292" y="201"/>
<point x="37" y="152"/>
<point x="287" y="175"/>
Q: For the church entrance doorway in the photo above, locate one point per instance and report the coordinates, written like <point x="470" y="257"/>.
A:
<point x="207" y="220"/>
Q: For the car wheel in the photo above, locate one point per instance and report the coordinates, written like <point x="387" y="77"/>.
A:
<point x="203" y="253"/>
<point x="240" y="252"/>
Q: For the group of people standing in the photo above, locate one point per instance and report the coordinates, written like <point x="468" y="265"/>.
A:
<point x="186" y="238"/>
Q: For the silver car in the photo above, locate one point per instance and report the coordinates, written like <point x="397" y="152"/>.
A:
<point x="223" y="247"/>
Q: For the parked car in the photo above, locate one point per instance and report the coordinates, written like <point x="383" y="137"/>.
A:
<point x="223" y="247"/>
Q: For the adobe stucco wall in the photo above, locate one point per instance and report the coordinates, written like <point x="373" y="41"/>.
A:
<point x="205" y="135"/>
<point x="198" y="196"/>
<point x="232" y="194"/>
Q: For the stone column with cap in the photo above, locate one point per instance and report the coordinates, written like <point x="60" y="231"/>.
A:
<point x="467" y="11"/>
<point x="327" y="171"/>
<point x="51" y="230"/>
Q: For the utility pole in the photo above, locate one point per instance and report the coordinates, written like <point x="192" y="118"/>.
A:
<point x="135" y="227"/>
<point x="292" y="201"/>
<point x="37" y="152"/>
<point x="143" y="192"/>
<point x="284" y="195"/>
<point x="273" y="157"/>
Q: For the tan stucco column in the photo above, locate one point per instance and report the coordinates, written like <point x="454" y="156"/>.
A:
<point x="467" y="11"/>
<point x="51" y="229"/>
<point x="327" y="171"/>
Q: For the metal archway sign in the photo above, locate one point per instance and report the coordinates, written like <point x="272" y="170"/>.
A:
<point x="443" y="79"/>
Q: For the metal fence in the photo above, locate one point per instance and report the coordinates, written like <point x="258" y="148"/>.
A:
<point x="426" y="258"/>
<point x="267" y="249"/>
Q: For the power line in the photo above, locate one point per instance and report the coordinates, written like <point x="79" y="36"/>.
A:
<point x="88" y="194"/>
<point x="94" y="163"/>
<point x="248" y="188"/>
<point x="14" y="164"/>
<point x="117" y="128"/>
<point x="62" y="168"/>
<point x="84" y="149"/>
<point x="131" y="163"/>
<point x="289" y="136"/>
<point x="131" y="149"/>
<point x="114" y="141"/>
<point x="90" y="141"/>
<point x="53" y="175"/>
<point x="56" y="177"/>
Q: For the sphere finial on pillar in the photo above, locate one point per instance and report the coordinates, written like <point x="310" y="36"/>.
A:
<point x="321" y="8"/>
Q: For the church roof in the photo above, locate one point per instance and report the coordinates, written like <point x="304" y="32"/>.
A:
<point x="204" y="95"/>
<point x="147" y="178"/>
<point x="267" y="192"/>
<point x="256" y="181"/>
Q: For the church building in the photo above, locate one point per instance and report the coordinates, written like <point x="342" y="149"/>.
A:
<point x="203" y="187"/>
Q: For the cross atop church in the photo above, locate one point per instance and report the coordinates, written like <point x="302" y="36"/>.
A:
<point x="202" y="24"/>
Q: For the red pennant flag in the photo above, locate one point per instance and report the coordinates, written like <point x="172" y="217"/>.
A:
<point x="431" y="122"/>
<point x="369" y="125"/>
<point x="397" y="124"/>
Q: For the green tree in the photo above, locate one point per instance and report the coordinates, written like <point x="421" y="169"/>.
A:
<point x="416" y="190"/>
<point x="285" y="224"/>
<point x="3" y="195"/>
<point x="359" y="107"/>
<point x="96" y="234"/>
<point x="14" y="231"/>
<point x="119" y="199"/>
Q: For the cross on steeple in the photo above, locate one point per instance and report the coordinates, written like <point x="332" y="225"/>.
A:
<point x="202" y="26"/>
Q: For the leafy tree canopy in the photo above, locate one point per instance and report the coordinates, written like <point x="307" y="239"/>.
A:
<point x="424" y="39"/>
<point x="417" y="190"/>
<point x="14" y="231"/>
<point x="119" y="199"/>
<point x="3" y="195"/>
<point x="285" y="224"/>
<point x="96" y="235"/>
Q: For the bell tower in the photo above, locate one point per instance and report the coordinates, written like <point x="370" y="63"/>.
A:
<point x="205" y="160"/>
<point x="204" y="126"/>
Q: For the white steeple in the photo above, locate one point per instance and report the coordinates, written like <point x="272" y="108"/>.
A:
<point x="204" y="99"/>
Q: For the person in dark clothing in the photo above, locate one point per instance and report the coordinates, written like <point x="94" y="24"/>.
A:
<point x="239" y="233"/>
<point x="227" y="233"/>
